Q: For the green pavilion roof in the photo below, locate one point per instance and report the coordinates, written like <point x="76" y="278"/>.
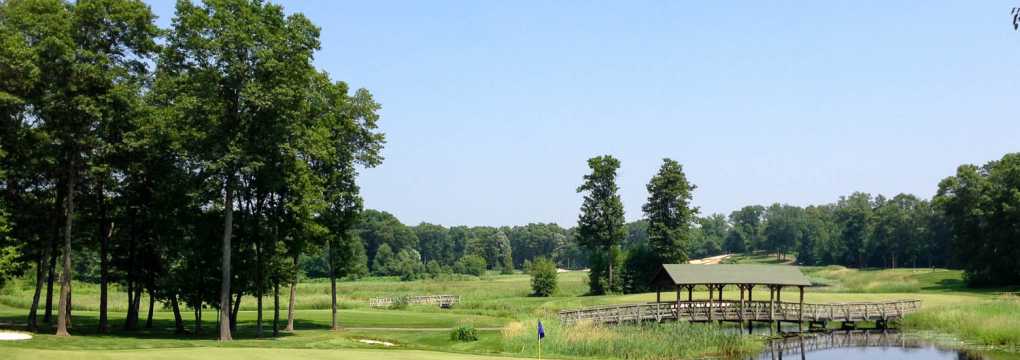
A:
<point x="732" y="274"/>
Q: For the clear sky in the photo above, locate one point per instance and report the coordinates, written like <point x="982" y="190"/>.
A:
<point x="491" y="108"/>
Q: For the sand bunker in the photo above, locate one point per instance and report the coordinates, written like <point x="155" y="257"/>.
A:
<point x="12" y="335"/>
<point x="376" y="342"/>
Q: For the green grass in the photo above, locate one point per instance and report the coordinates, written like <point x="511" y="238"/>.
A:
<point x="499" y="306"/>
<point x="241" y="353"/>
<point x="646" y="341"/>
<point x="990" y="323"/>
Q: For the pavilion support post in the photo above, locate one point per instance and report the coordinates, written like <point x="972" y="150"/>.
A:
<point x="750" y="300"/>
<point x="676" y="311"/>
<point x="710" y="301"/>
<point x="720" y="292"/>
<point x="772" y="307"/>
<point x="740" y="316"/>
<point x="690" y="293"/>
<point x="800" y="310"/>
<point x="658" y="294"/>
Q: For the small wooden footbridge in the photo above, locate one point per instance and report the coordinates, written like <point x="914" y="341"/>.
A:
<point x="746" y="278"/>
<point x="444" y="301"/>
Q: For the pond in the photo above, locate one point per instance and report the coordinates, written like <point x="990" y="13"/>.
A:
<point x="861" y="344"/>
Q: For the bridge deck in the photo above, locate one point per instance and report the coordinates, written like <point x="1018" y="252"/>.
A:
<point x="729" y="310"/>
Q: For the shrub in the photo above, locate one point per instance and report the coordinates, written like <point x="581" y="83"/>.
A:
<point x="543" y="277"/>
<point x="464" y="333"/>
<point x="470" y="265"/>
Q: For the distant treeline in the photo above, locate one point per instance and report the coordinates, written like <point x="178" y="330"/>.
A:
<point x="971" y="223"/>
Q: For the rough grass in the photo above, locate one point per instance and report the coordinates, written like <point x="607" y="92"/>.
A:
<point x="646" y="341"/>
<point x="842" y="279"/>
<point x="241" y="354"/>
<point x="502" y="302"/>
<point x="991" y="323"/>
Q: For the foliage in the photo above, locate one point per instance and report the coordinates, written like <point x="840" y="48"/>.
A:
<point x="670" y="213"/>
<point x="464" y="333"/>
<point x="470" y="265"/>
<point x="600" y="226"/>
<point x="543" y="277"/>
<point x="641" y="265"/>
<point x="982" y="208"/>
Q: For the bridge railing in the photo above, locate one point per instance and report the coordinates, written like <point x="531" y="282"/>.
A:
<point x="441" y="300"/>
<point x="732" y="310"/>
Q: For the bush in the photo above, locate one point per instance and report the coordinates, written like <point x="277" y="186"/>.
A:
<point x="470" y="265"/>
<point x="464" y="333"/>
<point x="543" y="277"/>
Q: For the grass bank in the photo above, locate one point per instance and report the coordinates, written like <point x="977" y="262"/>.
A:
<point x="995" y="322"/>
<point x="646" y="341"/>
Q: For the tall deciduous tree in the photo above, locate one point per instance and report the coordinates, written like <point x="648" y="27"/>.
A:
<point x="600" y="226"/>
<point x="237" y="70"/>
<point x="670" y="213"/>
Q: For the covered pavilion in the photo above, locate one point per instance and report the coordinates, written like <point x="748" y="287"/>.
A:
<point x="716" y="277"/>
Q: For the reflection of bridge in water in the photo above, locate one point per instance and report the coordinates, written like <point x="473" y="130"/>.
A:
<point x="797" y="347"/>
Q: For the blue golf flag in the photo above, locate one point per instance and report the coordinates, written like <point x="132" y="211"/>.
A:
<point x="541" y="330"/>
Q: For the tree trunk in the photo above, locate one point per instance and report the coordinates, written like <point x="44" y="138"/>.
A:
<point x="332" y="286"/>
<point x="152" y="304"/>
<point x="50" y="277"/>
<point x="178" y="321"/>
<point x="198" y="319"/>
<point x="233" y="313"/>
<point x="130" y="301"/>
<point x="228" y="225"/>
<point x="63" y="316"/>
<point x="276" y="309"/>
<point x="105" y="230"/>
<point x="612" y="259"/>
<point x="40" y="278"/>
<point x="258" y="286"/>
<point x="293" y="296"/>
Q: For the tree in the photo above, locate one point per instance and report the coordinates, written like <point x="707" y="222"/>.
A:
<point x="600" y="226"/>
<point x="855" y="218"/>
<point x="379" y="228"/>
<point x="784" y="228"/>
<point x="434" y="243"/>
<point x="543" y="277"/>
<point x="710" y="235"/>
<point x="91" y="55"/>
<point x="748" y="224"/>
<point x="670" y="213"/>
<point x="237" y="70"/>
<point x="981" y="208"/>
<point x="470" y="265"/>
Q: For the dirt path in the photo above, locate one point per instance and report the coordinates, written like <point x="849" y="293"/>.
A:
<point x="712" y="260"/>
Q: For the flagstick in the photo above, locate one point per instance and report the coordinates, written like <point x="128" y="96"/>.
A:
<point x="539" y="348"/>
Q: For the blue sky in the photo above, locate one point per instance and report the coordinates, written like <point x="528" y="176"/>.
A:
<point x="491" y="108"/>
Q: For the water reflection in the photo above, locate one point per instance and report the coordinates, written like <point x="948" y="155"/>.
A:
<point x="858" y="344"/>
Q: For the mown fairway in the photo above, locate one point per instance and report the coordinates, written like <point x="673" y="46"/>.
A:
<point x="499" y="306"/>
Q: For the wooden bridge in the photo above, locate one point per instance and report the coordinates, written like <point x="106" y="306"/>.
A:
<point x="729" y="310"/>
<point x="444" y="301"/>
